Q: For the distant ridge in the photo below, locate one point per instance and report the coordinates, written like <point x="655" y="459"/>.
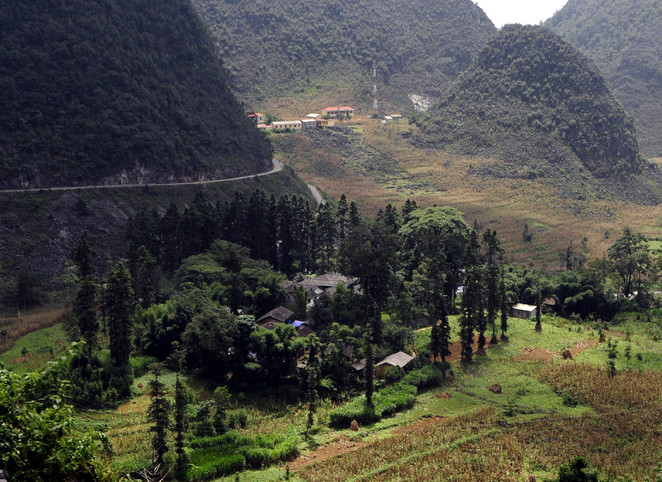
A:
<point x="283" y="47"/>
<point x="624" y="38"/>
<point x="116" y="90"/>
<point x="533" y="101"/>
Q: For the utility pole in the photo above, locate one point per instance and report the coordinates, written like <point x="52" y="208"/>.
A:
<point x="375" y="106"/>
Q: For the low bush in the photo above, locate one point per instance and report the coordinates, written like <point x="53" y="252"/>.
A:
<point x="208" y="464"/>
<point x="429" y="376"/>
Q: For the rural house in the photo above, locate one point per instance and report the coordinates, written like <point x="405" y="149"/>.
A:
<point x="399" y="359"/>
<point x="277" y="315"/>
<point x="335" y="112"/>
<point x="256" y="117"/>
<point x="520" y="310"/>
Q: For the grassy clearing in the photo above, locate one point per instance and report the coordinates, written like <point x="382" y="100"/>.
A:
<point x="19" y="326"/>
<point x="34" y="350"/>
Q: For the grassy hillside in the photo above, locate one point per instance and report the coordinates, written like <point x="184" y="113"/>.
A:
<point x="624" y="39"/>
<point x="533" y="101"/>
<point x="375" y="164"/>
<point x="95" y="92"/>
<point x="277" y="47"/>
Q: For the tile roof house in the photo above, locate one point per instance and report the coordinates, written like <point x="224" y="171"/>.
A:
<point x="521" y="310"/>
<point x="277" y="315"/>
<point x="399" y="359"/>
<point x="335" y="112"/>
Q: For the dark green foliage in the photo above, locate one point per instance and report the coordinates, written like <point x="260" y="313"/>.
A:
<point x="575" y="472"/>
<point x="630" y="258"/>
<point x="39" y="435"/>
<point x="231" y="452"/>
<point x="387" y="402"/>
<point x="623" y="38"/>
<point x="532" y="100"/>
<point x="429" y="376"/>
<point x="180" y="427"/>
<point x="119" y="306"/>
<point x="92" y="89"/>
<point x="418" y="47"/>
<point x="159" y="413"/>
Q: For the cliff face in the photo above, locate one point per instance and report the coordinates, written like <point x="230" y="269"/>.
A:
<point x="624" y="39"/>
<point x="280" y="47"/>
<point x="100" y="91"/>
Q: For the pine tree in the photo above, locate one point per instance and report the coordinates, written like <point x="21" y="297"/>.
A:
<point x="504" y="306"/>
<point x="470" y="297"/>
<point x="119" y="304"/>
<point x="85" y="312"/>
<point x="492" y="250"/>
<point x="158" y="413"/>
<point x="83" y="256"/>
<point x="180" y="425"/>
<point x="311" y="381"/>
<point x="369" y="355"/>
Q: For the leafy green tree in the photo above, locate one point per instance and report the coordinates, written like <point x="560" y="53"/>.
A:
<point x="40" y="438"/>
<point x="575" y="472"/>
<point x="300" y="302"/>
<point x="143" y="275"/>
<point x="630" y="258"/>
<point x="208" y="340"/>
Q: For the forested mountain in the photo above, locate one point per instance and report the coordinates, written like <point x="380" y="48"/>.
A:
<point x="101" y="91"/>
<point x="624" y="38"/>
<point x="533" y="101"/>
<point x="276" y="47"/>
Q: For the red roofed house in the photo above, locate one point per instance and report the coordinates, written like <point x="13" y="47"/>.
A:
<point x="335" y="112"/>
<point x="256" y="117"/>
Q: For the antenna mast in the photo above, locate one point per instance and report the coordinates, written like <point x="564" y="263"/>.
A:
<point x="374" y="86"/>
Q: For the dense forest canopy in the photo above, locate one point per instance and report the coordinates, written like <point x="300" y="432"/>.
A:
<point x="116" y="90"/>
<point x="531" y="99"/>
<point x="272" y="47"/>
<point x="624" y="39"/>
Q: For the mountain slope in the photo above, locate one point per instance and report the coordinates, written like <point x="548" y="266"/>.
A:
<point x="624" y="38"/>
<point x="104" y="91"/>
<point x="532" y="100"/>
<point x="278" y="47"/>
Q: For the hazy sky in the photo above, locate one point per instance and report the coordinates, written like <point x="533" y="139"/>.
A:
<point x="519" y="11"/>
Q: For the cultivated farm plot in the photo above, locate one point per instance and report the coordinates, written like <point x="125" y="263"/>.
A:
<point x="550" y="410"/>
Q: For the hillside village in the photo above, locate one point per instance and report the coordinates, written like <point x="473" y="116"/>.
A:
<point x="328" y="118"/>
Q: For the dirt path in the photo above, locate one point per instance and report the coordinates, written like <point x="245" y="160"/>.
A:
<point x="277" y="167"/>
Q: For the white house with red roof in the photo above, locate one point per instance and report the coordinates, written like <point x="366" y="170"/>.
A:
<point x="335" y="112"/>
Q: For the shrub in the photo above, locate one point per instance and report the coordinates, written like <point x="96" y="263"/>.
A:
<point x="569" y="400"/>
<point x="208" y="464"/>
<point x="429" y="376"/>
<point x="394" y="374"/>
<point x="355" y="410"/>
<point x="256" y="457"/>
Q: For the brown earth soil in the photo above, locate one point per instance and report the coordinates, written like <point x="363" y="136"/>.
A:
<point x="342" y="446"/>
<point x="543" y="354"/>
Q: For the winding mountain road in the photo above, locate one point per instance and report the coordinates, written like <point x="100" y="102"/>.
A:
<point x="277" y="167"/>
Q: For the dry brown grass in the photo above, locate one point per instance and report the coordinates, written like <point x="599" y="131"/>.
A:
<point x="29" y="322"/>
<point x="501" y="204"/>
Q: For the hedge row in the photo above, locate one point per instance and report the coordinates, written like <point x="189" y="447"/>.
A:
<point x="231" y="452"/>
<point x="390" y="400"/>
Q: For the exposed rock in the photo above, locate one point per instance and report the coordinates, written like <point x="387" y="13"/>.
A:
<point x="496" y="388"/>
